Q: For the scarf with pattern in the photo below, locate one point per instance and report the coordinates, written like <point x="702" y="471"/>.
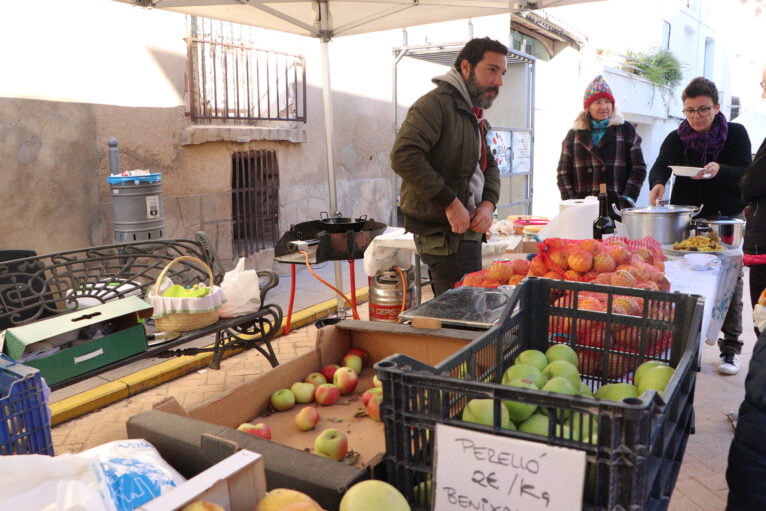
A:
<point x="709" y="144"/>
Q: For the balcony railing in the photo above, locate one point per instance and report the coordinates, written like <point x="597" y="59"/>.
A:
<point x="235" y="83"/>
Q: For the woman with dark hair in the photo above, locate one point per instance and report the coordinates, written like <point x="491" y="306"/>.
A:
<point x="722" y="150"/>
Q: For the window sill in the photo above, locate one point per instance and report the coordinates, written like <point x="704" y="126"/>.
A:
<point x="194" y="135"/>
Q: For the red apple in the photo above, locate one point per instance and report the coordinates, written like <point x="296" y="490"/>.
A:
<point x="353" y="361"/>
<point x="329" y="370"/>
<point x="307" y="418"/>
<point x="345" y="379"/>
<point x="315" y="379"/>
<point x="369" y="393"/>
<point x="303" y="392"/>
<point x="361" y="353"/>
<point x="327" y="394"/>
<point x="282" y="399"/>
<point x="262" y="430"/>
<point x="331" y="443"/>
<point x="373" y="407"/>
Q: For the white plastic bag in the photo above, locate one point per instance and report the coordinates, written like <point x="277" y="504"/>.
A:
<point x="243" y="292"/>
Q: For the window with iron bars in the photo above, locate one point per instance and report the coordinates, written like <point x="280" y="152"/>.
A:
<point x="254" y="201"/>
<point x="232" y="82"/>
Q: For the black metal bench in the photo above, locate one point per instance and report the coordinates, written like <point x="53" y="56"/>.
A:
<point x="41" y="286"/>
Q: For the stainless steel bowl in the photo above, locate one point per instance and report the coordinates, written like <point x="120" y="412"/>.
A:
<point x="729" y="230"/>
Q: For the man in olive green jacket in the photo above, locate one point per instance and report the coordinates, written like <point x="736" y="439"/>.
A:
<point x="450" y="179"/>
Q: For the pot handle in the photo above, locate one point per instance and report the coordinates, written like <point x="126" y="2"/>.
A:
<point x="697" y="211"/>
<point x="617" y="212"/>
<point x="628" y="200"/>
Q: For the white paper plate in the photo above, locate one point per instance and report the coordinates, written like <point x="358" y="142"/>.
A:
<point x="685" y="171"/>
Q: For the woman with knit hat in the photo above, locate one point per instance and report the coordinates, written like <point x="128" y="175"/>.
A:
<point x="601" y="147"/>
<point x="721" y="149"/>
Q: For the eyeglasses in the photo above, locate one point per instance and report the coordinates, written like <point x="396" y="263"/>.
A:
<point x="701" y="111"/>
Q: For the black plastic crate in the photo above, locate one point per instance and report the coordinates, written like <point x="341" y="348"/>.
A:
<point x="641" y="441"/>
<point x="25" y="426"/>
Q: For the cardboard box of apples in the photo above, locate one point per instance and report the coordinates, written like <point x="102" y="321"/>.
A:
<point x="306" y="434"/>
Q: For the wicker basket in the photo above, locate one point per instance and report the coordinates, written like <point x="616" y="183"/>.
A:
<point x="186" y="320"/>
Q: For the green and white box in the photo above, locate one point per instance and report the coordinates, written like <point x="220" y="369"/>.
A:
<point x="72" y="344"/>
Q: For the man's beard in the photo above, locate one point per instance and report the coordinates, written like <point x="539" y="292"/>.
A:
<point x="476" y="92"/>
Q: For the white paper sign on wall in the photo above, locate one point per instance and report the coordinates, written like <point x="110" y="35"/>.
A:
<point x="475" y="470"/>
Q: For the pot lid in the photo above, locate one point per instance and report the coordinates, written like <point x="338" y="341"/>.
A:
<point x="664" y="209"/>
<point x="720" y="221"/>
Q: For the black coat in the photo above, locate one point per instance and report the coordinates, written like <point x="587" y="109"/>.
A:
<point x="719" y="195"/>
<point x="754" y="192"/>
<point x="746" y="473"/>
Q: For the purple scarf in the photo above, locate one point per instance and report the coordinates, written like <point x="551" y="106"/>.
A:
<point x="709" y="144"/>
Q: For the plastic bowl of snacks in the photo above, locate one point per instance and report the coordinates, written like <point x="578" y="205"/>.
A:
<point x="700" y="262"/>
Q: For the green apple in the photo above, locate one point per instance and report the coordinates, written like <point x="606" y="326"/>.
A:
<point x="561" y="352"/>
<point x="583" y="390"/>
<point x="563" y="369"/>
<point x="584" y="427"/>
<point x="524" y="372"/>
<point x="480" y="411"/>
<point x="331" y="443"/>
<point x="533" y="357"/>
<point x="559" y="385"/>
<point x="519" y="411"/>
<point x="537" y="424"/>
<point x="282" y="399"/>
<point x="303" y="392"/>
<point x="656" y="378"/>
<point x="353" y="361"/>
<point x="422" y="493"/>
<point x="373" y="495"/>
<point x="644" y="368"/>
<point x="616" y="391"/>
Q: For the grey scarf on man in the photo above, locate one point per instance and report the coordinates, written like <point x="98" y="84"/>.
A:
<point x="476" y="186"/>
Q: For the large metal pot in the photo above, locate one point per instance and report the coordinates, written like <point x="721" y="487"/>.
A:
<point x="667" y="223"/>
<point x="729" y="230"/>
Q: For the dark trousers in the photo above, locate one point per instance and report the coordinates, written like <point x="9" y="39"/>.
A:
<point x="732" y="323"/>
<point x="446" y="271"/>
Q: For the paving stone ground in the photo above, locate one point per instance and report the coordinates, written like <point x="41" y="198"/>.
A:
<point x="701" y="485"/>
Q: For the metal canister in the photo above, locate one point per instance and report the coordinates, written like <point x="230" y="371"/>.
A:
<point x="387" y="294"/>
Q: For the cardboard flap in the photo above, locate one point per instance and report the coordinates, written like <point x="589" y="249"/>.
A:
<point x="215" y="448"/>
<point x="170" y="405"/>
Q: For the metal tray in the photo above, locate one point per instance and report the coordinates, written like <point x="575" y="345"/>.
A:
<point x="465" y="306"/>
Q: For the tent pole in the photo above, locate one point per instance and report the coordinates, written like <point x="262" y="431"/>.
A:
<point x="328" y="131"/>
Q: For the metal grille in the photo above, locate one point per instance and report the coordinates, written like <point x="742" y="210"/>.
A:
<point x="232" y="82"/>
<point x="254" y="201"/>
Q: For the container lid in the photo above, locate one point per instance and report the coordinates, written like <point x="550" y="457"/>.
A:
<point x="664" y="209"/>
<point x="154" y="177"/>
<point x="720" y="221"/>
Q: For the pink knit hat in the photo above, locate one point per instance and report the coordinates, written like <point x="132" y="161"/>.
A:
<point x="597" y="89"/>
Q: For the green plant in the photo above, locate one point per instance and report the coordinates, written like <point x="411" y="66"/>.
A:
<point x="661" y="67"/>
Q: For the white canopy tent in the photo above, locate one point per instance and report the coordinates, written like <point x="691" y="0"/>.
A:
<point x="326" y="19"/>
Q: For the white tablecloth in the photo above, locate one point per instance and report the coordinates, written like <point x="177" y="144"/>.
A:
<point x="396" y="248"/>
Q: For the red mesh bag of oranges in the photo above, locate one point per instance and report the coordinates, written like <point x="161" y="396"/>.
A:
<point x="499" y="273"/>
<point x="617" y="262"/>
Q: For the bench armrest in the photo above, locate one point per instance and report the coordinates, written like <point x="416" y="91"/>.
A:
<point x="268" y="280"/>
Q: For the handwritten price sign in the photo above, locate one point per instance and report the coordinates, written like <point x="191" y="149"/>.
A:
<point x="483" y="472"/>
